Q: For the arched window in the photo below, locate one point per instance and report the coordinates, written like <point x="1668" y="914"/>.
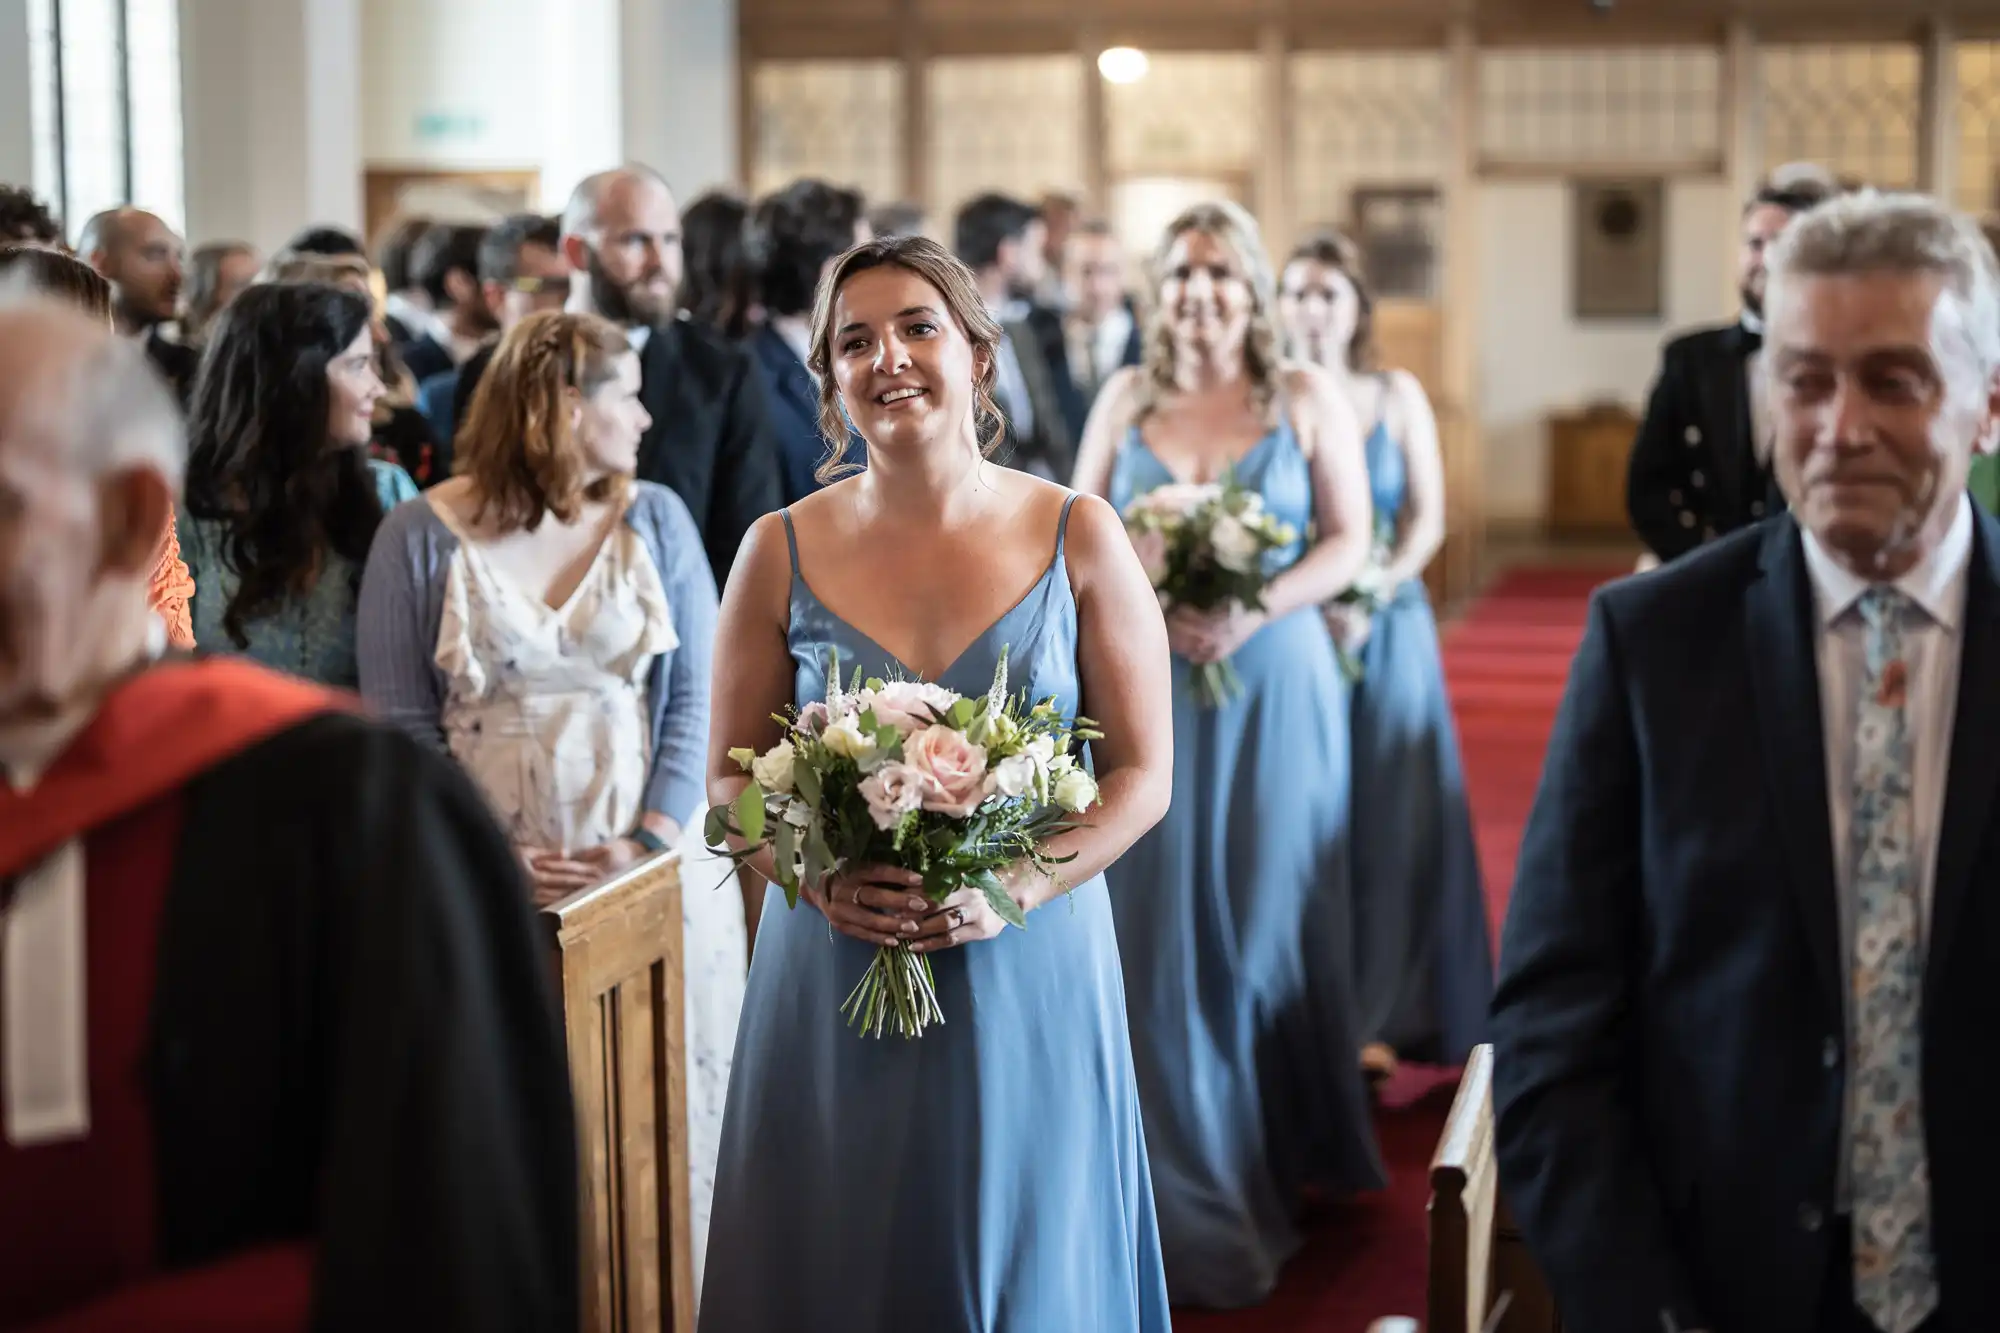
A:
<point x="107" y="106"/>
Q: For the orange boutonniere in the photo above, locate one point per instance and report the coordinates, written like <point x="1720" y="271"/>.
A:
<point x="1895" y="685"/>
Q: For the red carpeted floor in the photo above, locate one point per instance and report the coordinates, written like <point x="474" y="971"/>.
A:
<point x="1506" y="660"/>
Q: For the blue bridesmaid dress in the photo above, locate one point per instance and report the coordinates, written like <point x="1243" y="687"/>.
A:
<point x="1422" y="955"/>
<point x="987" y="1177"/>
<point x="1233" y="921"/>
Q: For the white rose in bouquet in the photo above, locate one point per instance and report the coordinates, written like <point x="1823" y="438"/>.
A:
<point x="1076" y="791"/>
<point x="1236" y="546"/>
<point x="772" y="770"/>
<point x="906" y="705"/>
<point x="1012" y="777"/>
<point x="846" y="739"/>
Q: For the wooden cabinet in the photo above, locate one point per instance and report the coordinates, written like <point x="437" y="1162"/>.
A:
<point x="1588" y="455"/>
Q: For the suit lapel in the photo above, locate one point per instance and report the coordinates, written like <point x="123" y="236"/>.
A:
<point x="1780" y="630"/>
<point x="659" y="382"/>
<point x="1973" y="775"/>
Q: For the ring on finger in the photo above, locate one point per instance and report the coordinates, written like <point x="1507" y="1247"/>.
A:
<point x="957" y="918"/>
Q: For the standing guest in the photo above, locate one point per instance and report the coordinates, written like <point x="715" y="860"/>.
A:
<point x="1004" y="1186"/>
<point x="216" y="272"/>
<point x="1423" y="962"/>
<point x="1100" y="329"/>
<point x="406" y="308"/>
<point x="26" y="221"/>
<point x="711" y="440"/>
<point x="521" y="271"/>
<point x="547" y="620"/>
<point x="1743" y="1066"/>
<point x="1233" y="912"/>
<point x="719" y="290"/>
<point x="1002" y="241"/>
<point x="1061" y="215"/>
<point x="1701" y="464"/>
<point x="891" y="221"/>
<point x="72" y="282"/>
<point x="401" y="434"/>
<point x="281" y="1049"/>
<point x="797" y="235"/>
<point x="140" y="256"/>
<point x="282" y="498"/>
<point x="446" y="263"/>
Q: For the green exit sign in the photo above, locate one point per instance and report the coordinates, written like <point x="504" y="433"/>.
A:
<point x="450" y="125"/>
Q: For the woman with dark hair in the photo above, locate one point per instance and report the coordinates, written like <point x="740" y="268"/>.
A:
<point x="796" y="235"/>
<point x="990" y="1177"/>
<point x="53" y="273"/>
<point x="1423" y="962"/>
<point x="718" y="286"/>
<point x="282" y="498"/>
<point x="1233" y="913"/>
<point x="402" y="434"/>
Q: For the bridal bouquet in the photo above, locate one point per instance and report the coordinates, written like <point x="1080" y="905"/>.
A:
<point x="1203" y="546"/>
<point x="911" y="775"/>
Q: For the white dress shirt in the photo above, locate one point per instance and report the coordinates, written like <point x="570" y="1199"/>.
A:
<point x="1096" y="350"/>
<point x="1933" y="638"/>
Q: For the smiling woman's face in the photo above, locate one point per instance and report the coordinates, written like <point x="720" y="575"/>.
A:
<point x="904" y="368"/>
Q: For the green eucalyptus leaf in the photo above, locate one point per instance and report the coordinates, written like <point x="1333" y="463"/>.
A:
<point x="715" y="828"/>
<point x="784" y="847"/>
<point x="1000" y="900"/>
<point x="807" y="781"/>
<point x="750" y="813"/>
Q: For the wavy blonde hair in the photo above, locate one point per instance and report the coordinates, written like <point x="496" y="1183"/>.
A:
<point x="516" y="444"/>
<point x="936" y="265"/>
<point x="1232" y="225"/>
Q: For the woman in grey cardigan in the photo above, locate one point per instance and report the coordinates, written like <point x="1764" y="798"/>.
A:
<point x="548" y="620"/>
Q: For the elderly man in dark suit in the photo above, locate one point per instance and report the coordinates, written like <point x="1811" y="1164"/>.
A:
<point x="1745" y="1031"/>
<point x="1700" y="464"/>
<point x="710" y="441"/>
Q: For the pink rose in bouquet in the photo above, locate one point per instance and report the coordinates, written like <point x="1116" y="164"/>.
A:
<point x="953" y="768"/>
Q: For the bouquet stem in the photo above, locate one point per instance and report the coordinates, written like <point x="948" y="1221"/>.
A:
<point x="1216" y="683"/>
<point x="897" y="992"/>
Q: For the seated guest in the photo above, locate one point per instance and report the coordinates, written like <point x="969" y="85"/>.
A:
<point x="73" y="282"/>
<point x="216" y="272"/>
<point x="282" y="498"/>
<point x="401" y="435"/>
<point x="545" y="618"/>
<point x="797" y="233"/>
<point x="281" y="1052"/>
<point x="446" y="263"/>
<point x="1744" y="1076"/>
<point x="521" y="270"/>
<point x="26" y="221"/>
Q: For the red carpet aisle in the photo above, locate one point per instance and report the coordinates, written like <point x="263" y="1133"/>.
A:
<point x="1506" y="661"/>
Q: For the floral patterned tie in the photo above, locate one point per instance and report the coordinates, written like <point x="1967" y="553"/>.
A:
<point x="1895" y="1273"/>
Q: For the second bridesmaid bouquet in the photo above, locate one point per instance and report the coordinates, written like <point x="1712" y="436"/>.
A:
<point x="1203" y="547"/>
<point x="914" y="776"/>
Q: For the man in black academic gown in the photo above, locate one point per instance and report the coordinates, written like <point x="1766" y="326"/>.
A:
<point x="1699" y="468"/>
<point x="711" y="441"/>
<point x="277" y="1047"/>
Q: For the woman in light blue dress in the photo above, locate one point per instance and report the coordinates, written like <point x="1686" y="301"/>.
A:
<point x="1423" y="956"/>
<point x="991" y="1175"/>
<point x="1233" y="912"/>
<point x="282" y="499"/>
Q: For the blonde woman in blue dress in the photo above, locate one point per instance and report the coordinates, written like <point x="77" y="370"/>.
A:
<point x="1232" y="912"/>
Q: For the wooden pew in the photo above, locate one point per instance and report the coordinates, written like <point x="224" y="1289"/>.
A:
<point x="1482" y="1279"/>
<point x="616" y="951"/>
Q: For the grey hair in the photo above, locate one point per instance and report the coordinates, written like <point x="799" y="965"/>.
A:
<point x="116" y="413"/>
<point x="579" y="217"/>
<point x="1873" y="232"/>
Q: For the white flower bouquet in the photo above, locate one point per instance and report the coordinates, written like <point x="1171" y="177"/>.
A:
<point x="914" y="776"/>
<point x="1203" y="547"/>
<point x="1369" y="593"/>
